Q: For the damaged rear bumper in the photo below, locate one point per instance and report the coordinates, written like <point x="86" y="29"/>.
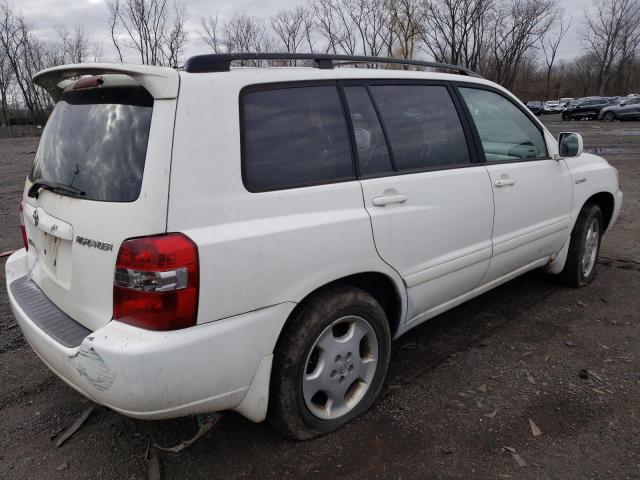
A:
<point x="147" y="374"/>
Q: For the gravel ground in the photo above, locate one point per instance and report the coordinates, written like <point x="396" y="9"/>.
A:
<point x="460" y="389"/>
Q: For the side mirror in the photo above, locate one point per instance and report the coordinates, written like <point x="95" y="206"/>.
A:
<point x="570" y="144"/>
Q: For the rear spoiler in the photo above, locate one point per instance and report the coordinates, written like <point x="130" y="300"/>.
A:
<point x="160" y="82"/>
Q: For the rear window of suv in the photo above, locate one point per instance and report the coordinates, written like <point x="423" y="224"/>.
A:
<point x="294" y="137"/>
<point x="96" y="141"/>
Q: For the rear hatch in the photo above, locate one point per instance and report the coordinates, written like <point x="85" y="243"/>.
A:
<point x="100" y="175"/>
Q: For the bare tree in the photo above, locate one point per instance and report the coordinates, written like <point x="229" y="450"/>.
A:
<point x="629" y="54"/>
<point x="406" y="23"/>
<point x="294" y="29"/>
<point x="23" y="55"/>
<point x="242" y="33"/>
<point x="210" y="33"/>
<point x="6" y="78"/>
<point x="454" y="31"/>
<point x="74" y="46"/>
<point x="114" y="20"/>
<point x="515" y="30"/>
<point x="155" y="33"/>
<point x="610" y="34"/>
<point x="334" y="26"/>
<point x="173" y="46"/>
<point x="372" y="22"/>
<point x="550" y="44"/>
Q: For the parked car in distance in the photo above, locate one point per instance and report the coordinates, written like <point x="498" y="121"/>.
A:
<point x="257" y="246"/>
<point x="588" y="109"/>
<point x="627" y="109"/>
<point x="535" y="106"/>
<point x="551" y="106"/>
<point x="565" y="101"/>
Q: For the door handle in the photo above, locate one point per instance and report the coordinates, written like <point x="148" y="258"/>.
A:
<point x="389" y="199"/>
<point x="504" y="182"/>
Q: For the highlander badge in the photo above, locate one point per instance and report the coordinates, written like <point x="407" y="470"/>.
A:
<point x="94" y="243"/>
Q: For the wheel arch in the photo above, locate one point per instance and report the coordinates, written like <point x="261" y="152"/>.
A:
<point x="379" y="285"/>
<point x="606" y="202"/>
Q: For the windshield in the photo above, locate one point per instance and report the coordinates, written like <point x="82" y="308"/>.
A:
<point x="95" y="141"/>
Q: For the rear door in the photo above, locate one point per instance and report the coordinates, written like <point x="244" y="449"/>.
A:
<point x="531" y="192"/>
<point x="431" y="207"/>
<point x="107" y="146"/>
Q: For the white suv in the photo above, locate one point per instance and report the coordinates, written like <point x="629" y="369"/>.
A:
<point x="252" y="239"/>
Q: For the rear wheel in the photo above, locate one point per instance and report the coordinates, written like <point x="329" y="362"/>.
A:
<point x="329" y="364"/>
<point x="580" y="268"/>
<point x="609" y="117"/>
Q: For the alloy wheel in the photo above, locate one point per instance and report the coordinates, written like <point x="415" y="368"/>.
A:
<point x="340" y="367"/>
<point x="592" y="240"/>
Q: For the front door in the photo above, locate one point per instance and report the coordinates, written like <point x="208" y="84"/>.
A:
<point x="532" y="193"/>
<point x="431" y="207"/>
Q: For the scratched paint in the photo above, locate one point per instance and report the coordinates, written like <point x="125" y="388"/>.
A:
<point x="90" y="365"/>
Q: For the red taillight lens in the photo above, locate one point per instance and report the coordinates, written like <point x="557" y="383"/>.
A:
<point x="23" y="230"/>
<point x="156" y="282"/>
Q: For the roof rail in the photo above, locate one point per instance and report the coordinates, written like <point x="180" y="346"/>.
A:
<point x="221" y="62"/>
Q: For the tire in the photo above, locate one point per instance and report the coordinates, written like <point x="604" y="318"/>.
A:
<point x="336" y="313"/>
<point x="566" y="117"/>
<point x="609" y="117"/>
<point x="577" y="271"/>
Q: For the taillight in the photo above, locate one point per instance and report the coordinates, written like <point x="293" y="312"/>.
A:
<point x="156" y="282"/>
<point x="22" y="229"/>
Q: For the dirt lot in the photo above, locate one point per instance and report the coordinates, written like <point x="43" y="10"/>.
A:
<point x="460" y="387"/>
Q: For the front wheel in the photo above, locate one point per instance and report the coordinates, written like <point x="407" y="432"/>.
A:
<point x="609" y="117"/>
<point x="329" y="364"/>
<point x="566" y="117"/>
<point x="584" y="246"/>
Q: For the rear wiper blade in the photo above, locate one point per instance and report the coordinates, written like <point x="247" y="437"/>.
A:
<point x="53" y="186"/>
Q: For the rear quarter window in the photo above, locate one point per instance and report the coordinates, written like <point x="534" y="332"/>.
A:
<point x="294" y="137"/>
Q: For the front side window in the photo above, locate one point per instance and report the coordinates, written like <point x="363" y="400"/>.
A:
<point x="294" y="137"/>
<point x="506" y="132"/>
<point x="422" y="125"/>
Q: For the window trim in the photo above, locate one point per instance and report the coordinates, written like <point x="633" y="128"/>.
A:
<point x="474" y="158"/>
<point x="480" y="150"/>
<point x="282" y="86"/>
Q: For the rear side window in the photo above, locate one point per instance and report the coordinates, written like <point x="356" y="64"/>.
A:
<point x="506" y="132"/>
<point x="96" y="141"/>
<point x="294" y="137"/>
<point x="422" y="125"/>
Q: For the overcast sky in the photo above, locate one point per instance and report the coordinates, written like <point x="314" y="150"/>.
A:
<point x="46" y="15"/>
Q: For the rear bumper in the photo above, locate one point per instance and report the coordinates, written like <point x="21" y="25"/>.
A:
<point x="153" y="375"/>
